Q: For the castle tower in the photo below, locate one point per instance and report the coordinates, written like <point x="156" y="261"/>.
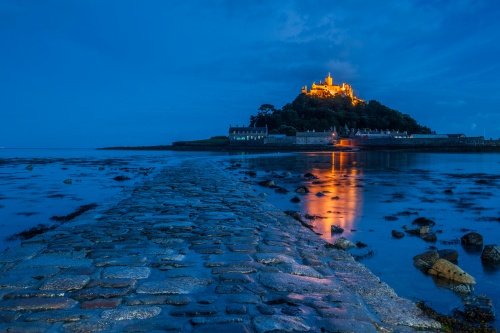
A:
<point x="329" y="80"/>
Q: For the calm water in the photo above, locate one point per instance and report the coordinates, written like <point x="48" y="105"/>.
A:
<point x="373" y="185"/>
<point x="31" y="197"/>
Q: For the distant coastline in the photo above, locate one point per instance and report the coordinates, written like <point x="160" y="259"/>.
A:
<point x="303" y="148"/>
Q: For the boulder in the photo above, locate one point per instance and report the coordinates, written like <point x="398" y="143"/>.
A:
<point x="320" y="194"/>
<point x="336" y="197"/>
<point x="295" y="199"/>
<point x="444" y="269"/>
<point x="448" y="254"/>
<point x="266" y="183"/>
<point x="302" y="189"/>
<point x="421" y="231"/>
<point x="397" y="234"/>
<point x="431" y="237"/>
<point x="422" y="221"/>
<point x="281" y="190"/>
<point x="462" y="289"/>
<point x="337" y="229"/>
<point x="29" y="167"/>
<point x="472" y="239"/>
<point x="68" y="181"/>
<point x="343" y="243"/>
<point x="491" y="255"/>
<point x="426" y="260"/>
<point x="310" y="176"/>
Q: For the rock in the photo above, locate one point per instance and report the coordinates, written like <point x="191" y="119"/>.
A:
<point x="491" y="254"/>
<point x="295" y="199"/>
<point x="463" y="289"/>
<point x="68" y="181"/>
<point x="478" y="309"/>
<point x="121" y="178"/>
<point x="421" y="231"/>
<point x="343" y="243"/>
<point x="29" y="167"/>
<point x="444" y="269"/>
<point x="422" y="221"/>
<point x="426" y="260"/>
<point x="302" y="189"/>
<point x="131" y="313"/>
<point x="336" y="197"/>
<point x="281" y="190"/>
<point x="337" y="229"/>
<point x="267" y="183"/>
<point x="391" y="218"/>
<point x="320" y="194"/>
<point x="397" y="234"/>
<point x="309" y="176"/>
<point x="430" y="237"/>
<point x="448" y="254"/>
<point x="472" y="239"/>
<point x="448" y="191"/>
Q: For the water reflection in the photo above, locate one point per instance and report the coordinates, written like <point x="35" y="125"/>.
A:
<point x="342" y="203"/>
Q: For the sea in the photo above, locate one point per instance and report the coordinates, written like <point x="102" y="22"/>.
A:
<point x="366" y="193"/>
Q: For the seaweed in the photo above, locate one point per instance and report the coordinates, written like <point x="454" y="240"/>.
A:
<point x="32" y="232"/>
<point x="455" y="325"/>
<point x="79" y="211"/>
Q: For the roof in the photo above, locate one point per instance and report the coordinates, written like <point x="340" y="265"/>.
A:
<point x="429" y="136"/>
<point x="314" y="134"/>
<point x="247" y="129"/>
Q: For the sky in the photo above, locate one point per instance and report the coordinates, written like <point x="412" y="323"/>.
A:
<point x="98" y="73"/>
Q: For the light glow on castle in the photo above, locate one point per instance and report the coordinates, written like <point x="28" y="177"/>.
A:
<point x="328" y="89"/>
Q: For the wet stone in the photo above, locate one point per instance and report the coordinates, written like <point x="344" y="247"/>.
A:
<point x="235" y="278"/>
<point x="49" y="260"/>
<point x="66" y="282"/>
<point x="274" y="258"/>
<point x="56" y="316"/>
<point x="112" y="283"/>
<point x="8" y="316"/>
<point x="236" y="309"/>
<point x="154" y="325"/>
<point x="35" y="273"/>
<point x="241" y="248"/>
<point x="194" y="311"/>
<point x="300" y="270"/>
<point x="132" y="313"/>
<point x="346" y="325"/>
<point x="23" y="252"/>
<point x="99" y="292"/>
<point x="38" y="304"/>
<point x="233" y="269"/>
<point x="229" y="289"/>
<point x="223" y="328"/>
<point x="87" y="326"/>
<point x="265" y="309"/>
<point x="101" y="303"/>
<point x="33" y="294"/>
<point x="16" y="282"/>
<point x="126" y="272"/>
<point x="179" y="285"/>
<point x="26" y="327"/>
<point x="265" y="324"/>
<point x="215" y="320"/>
<point x="293" y="283"/>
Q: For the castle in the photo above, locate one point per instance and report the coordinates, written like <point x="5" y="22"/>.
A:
<point x="328" y="89"/>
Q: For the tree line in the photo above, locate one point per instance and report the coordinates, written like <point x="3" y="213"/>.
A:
<point x="320" y="114"/>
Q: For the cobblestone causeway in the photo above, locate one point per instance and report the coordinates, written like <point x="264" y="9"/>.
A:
<point x="193" y="250"/>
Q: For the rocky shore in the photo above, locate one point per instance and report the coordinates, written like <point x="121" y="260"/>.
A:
<point x="193" y="250"/>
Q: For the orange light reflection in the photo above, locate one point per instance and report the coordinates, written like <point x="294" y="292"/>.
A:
<point x="342" y="181"/>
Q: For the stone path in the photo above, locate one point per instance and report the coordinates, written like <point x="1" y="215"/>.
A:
<point x="193" y="250"/>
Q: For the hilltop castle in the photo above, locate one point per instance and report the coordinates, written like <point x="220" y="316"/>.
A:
<point x="328" y="89"/>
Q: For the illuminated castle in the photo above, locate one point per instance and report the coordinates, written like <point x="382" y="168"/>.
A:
<point x="328" y="89"/>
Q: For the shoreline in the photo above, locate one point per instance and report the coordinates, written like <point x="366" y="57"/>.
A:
<point x="306" y="148"/>
<point x="238" y="260"/>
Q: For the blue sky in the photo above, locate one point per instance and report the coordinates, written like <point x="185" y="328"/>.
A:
<point x="93" y="73"/>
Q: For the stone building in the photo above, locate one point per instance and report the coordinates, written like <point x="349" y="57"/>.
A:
<point x="247" y="135"/>
<point x="328" y="89"/>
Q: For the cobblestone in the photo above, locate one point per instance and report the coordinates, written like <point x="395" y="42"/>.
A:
<point x="193" y="249"/>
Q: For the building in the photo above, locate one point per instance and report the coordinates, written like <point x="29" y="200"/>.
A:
<point x="329" y="89"/>
<point x="247" y="135"/>
<point x="316" y="138"/>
